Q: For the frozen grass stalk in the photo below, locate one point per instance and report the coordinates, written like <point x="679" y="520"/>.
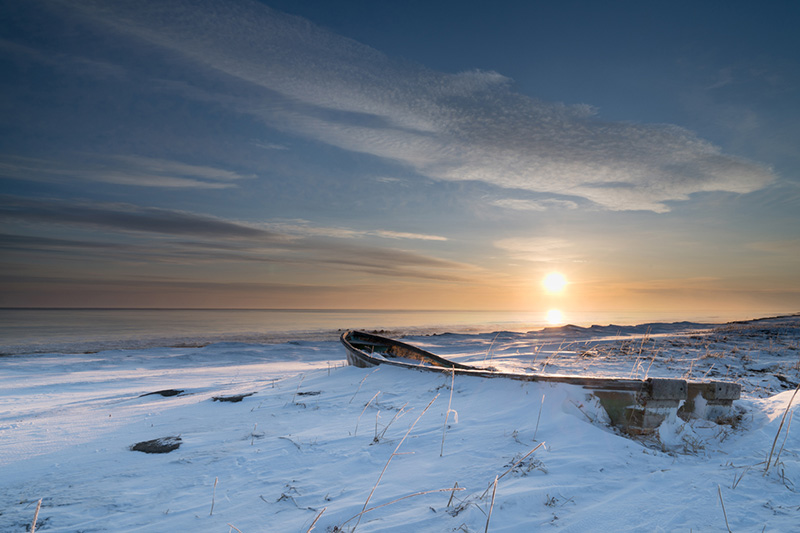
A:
<point x="780" y="427"/>
<point x="737" y="480"/>
<point x="512" y="467"/>
<point x="407" y="496"/>
<point x="652" y="360"/>
<point x="315" y="520"/>
<point x="362" y="382"/>
<point x="298" y="387"/>
<point x="452" y="493"/>
<point x="489" y="516"/>
<point x="396" y="415"/>
<point x="363" y="510"/>
<point x="719" y="491"/>
<point x="537" y="419"/>
<point x="213" y="496"/>
<point x="36" y="516"/>
<point x="362" y="412"/>
<point x="489" y="351"/>
<point x="447" y="416"/>
<point x="785" y="436"/>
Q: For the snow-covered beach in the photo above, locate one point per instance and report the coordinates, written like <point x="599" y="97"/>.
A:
<point x="314" y="439"/>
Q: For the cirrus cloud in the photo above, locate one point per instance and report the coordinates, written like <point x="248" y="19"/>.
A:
<point x="537" y="249"/>
<point x="132" y="171"/>
<point x="469" y="126"/>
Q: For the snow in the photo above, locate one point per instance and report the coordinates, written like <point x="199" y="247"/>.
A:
<point x="316" y="435"/>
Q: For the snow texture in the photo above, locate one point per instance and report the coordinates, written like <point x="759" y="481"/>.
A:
<point x="311" y="437"/>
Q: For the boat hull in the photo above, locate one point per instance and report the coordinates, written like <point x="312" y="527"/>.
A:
<point x="637" y="406"/>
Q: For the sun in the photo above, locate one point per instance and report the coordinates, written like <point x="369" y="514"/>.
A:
<point x="554" y="282"/>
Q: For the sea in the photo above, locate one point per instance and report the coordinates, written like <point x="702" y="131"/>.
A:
<point x="30" y="331"/>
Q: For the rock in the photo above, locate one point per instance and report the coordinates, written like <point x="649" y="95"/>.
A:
<point x="162" y="445"/>
<point x="165" y="392"/>
<point x="235" y="398"/>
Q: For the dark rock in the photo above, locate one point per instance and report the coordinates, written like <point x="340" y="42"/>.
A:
<point x="785" y="382"/>
<point x="235" y="398"/>
<point x="162" y="445"/>
<point x="165" y="393"/>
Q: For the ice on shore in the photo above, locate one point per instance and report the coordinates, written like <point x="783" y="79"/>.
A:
<point x="315" y="435"/>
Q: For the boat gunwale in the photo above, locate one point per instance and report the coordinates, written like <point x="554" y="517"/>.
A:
<point x="449" y="367"/>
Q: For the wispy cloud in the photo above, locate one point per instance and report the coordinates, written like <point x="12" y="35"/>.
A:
<point x="518" y="204"/>
<point x="271" y="146"/>
<point x="402" y="235"/>
<point x="303" y="228"/>
<point x="169" y="236"/>
<point x="388" y="179"/>
<point x="119" y="170"/>
<point x="538" y="249"/>
<point x="129" y="218"/>
<point x="470" y="126"/>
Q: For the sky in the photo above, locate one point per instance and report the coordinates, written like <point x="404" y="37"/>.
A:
<point x="401" y="155"/>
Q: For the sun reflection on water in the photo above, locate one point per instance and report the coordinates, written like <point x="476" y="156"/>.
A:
<point x="555" y="317"/>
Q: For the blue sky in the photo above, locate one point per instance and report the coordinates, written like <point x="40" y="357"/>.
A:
<point x="422" y="155"/>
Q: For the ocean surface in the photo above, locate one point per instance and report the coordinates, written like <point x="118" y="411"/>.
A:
<point x="89" y="330"/>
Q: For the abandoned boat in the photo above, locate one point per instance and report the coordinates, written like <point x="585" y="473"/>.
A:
<point x="637" y="406"/>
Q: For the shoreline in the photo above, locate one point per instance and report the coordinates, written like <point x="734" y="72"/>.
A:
<point x="141" y="342"/>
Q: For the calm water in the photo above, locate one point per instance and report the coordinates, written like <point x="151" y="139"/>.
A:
<point x="77" y="330"/>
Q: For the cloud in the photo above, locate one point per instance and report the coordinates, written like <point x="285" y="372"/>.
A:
<point x="165" y="167"/>
<point x="211" y="240"/>
<point x="139" y="253"/>
<point x="724" y="77"/>
<point x="469" y="126"/>
<point x="303" y="228"/>
<point x="128" y="218"/>
<point x="538" y="249"/>
<point x="389" y="179"/>
<point x="24" y="243"/>
<point x="518" y="204"/>
<point x="402" y="235"/>
<point x="120" y="170"/>
<point x="271" y="146"/>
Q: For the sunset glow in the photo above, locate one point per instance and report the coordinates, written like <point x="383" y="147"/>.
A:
<point x="299" y="154"/>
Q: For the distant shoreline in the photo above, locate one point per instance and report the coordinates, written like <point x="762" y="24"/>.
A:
<point x="85" y="330"/>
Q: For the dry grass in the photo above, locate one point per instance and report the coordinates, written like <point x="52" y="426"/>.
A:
<point x="489" y="351"/>
<point x="394" y="453"/>
<point x="213" y="496"/>
<point x="36" y="516"/>
<point x="780" y="428"/>
<point x="362" y="412"/>
<point x="512" y="467"/>
<point x="311" y="527"/>
<point x="449" y="410"/>
<point x="489" y="515"/>
<point x="788" y="427"/>
<point x="455" y="486"/>
<point x="362" y="383"/>
<point x="407" y="496"/>
<point x="538" y="418"/>
<point x="379" y="436"/>
<point x="719" y="491"/>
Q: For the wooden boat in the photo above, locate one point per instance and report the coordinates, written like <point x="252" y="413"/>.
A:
<point x="637" y="406"/>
